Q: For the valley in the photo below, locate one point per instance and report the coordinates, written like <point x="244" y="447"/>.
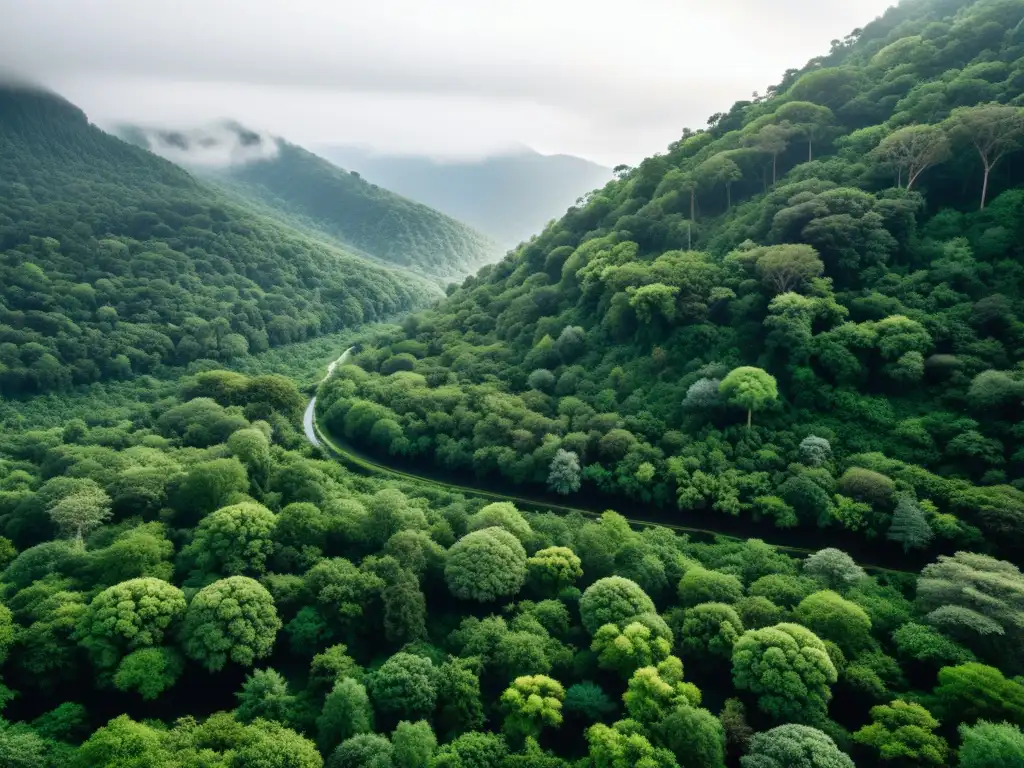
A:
<point x="721" y="467"/>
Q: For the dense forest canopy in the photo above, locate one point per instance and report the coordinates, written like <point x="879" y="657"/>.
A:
<point x="114" y="262"/>
<point x="806" y="313"/>
<point x="823" y="337"/>
<point x="185" y="582"/>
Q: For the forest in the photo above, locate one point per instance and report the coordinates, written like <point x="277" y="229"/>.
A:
<point x="806" y="314"/>
<point x="803" y="316"/>
<point x="115" y="263"/>
<point x="187" y="583"/>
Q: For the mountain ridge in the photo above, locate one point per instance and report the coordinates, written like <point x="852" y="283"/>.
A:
<point x="509" y="195"/>
<point x="309" y="192"/>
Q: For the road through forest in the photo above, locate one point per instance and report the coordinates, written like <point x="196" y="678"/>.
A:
<point x="355" y="458"/>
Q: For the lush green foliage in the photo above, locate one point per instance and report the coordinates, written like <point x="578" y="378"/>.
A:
<point x="231" y="547"/>
<point x="114" y="262"/>
<point x="817" y="263"/>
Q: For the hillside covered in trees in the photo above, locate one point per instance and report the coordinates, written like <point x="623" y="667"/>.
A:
<point x="808" y="313"/>
<point x="311" y="193"/>
<point x="114" y="262"/>
<point x="363" y="215"/>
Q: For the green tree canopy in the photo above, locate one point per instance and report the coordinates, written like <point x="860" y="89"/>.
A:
<point x="486" y="565"/>
<point x="709" y="630"/>
<point x="233" y="619"/>
<point x="346" y="713"/>
<point x="750" y="388"/>
<point x="831" y="617"/>
<point x="233" y="541"/>
<point x="139" y="613"/>
<point x="984" y="744"/>
<point x="788" y="667"/>
<point x="612" y="600"/>
<point x="405" y="685"/>
<point x="630" y="648"/>
<point x="794" y="746"/>
<point x="904" y="731"/>
<point x="532" y="703"/>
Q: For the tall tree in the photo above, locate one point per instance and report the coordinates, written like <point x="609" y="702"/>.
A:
<point x="808" y="120"/>
<point x="749" y="387"/>
<point x="912" y="150"/>
<point x="564" y="475"/>
<point x="773" y="140"/>
<point x="993" y="129"/>
<point x="786" y="267"/>
<point x="909" y="525"/>
<point x="82" y="511"/>
<point x="719" y="169"/>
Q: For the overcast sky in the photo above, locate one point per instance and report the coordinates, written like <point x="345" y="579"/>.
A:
<point x="611" y="81"/>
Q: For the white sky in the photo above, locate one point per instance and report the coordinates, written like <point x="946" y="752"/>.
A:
<point x="610" y="81"/>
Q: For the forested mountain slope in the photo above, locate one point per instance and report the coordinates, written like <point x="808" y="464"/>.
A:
<point x="509" y="196"/>
<point x="837" y="262"/>
<point x="114" y="261"/>
<point x="362" y="215"/>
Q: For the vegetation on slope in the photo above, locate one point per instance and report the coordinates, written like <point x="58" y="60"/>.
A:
<point x="114" y="262"/>
<point x="808" y="312"/>
<point x="360" y="214"/>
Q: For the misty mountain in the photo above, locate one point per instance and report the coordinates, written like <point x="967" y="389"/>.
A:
<point x="115" y="262"/>
<point x="510" y="196"/>
<point x="307" y="191"/>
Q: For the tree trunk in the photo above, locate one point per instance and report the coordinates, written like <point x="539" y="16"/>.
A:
<point x="984" y="186"/>
<point x="810" y="155"/>
<point x="728" y="197"/>
<point x="774" y="160"/>
<point x="79" y="540"/>
<point x="750" y="416"/>
<point x="899" y="178"/>
<point x="693" y="194"/>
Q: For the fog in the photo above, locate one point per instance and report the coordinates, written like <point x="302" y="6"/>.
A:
<point x="609" y="81"/>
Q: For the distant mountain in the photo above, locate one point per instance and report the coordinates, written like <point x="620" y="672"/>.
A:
<point x="115" y="262"/>
<point x="509" y="197"/>
<point x="313" y="194"/>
